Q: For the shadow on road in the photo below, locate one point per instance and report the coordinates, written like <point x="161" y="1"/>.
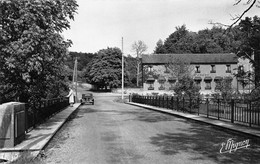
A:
<point x="204" y="142"/>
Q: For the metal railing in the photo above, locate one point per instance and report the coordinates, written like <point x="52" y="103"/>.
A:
<point x="244" y="112"/>
<point x="40" y="112"/>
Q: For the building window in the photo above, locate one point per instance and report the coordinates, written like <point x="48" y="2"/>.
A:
<point x="218" y="80"/>
<point x="197" y="69"/>
<point x="197" y="81"/>
<point x="161" y="81"/>
<point x="150" y="81"/>
<point x="198" y="84"/>
<point x="228" y="70"/>
<point x="172" y="80"/>
<point x="213" y="69"/>
<point x="218" y="85"/>
<point x="150" y="69"/>
<point x="151" y="86"/>
<point x="241" y="70"/>
<point x="208" y="85"/>
<point x="208" y="80"/>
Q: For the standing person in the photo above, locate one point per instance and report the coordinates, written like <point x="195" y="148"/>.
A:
<point x="71" y="97"/>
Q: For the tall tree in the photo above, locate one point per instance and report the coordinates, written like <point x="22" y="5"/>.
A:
<point x="160" y="49"/>
<point x="139" y="48"/>
<point x="105" y="69"/>
<point x="250" y="47"/>
<point x="83" y="59"/>
<point x="32" y="50"/>
<point x="130" y="68"/>
<point x="213" y="40"/>
<point x="180" y="41"/>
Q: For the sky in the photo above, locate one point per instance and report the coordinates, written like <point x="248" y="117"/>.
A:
<point x="99" y="24"/>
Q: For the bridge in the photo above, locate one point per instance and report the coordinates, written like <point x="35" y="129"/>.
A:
<point x="132" y="132"/>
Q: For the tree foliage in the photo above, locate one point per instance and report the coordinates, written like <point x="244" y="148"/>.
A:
<point x="213" y="40"/>
<point x="250" y="44"/>
<point x="32" y="49"/>
<point x="83" y="59"/>
<point x="225" y="89"/>
<point x="105" y="68"/>
<point x="185" y="85"/>
<point x="130" y="69"/>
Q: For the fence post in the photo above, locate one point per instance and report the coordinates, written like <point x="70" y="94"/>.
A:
<point x="163" y="101"/>
<point x="129" y="97"/>
<point x="167" y="102"/>
<point x="232" y="110"/>
<point x="198" y="101"/>
<point x="190" y="104"/>
<point x="171" y="102"/>
<point x="158" y="101"/>
<point x="207" y="104"/>
<point x="177" y="104"/>
<point x="183" y="105"/>
<point x="250" y="113"/>
<point x="218" y="108"/>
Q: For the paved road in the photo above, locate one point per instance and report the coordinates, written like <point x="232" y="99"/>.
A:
<point x="111" y="133"/>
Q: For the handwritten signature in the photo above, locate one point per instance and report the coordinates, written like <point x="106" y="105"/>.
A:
<point x="231" y="145"/>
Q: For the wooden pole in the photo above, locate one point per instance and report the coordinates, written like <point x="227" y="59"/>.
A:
<point x="122" y="70"/>
<point x="75" y="78"/>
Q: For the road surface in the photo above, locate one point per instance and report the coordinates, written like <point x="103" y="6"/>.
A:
<point x="114" y="133"/>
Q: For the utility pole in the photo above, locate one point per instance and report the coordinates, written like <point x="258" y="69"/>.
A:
<point x="122" y="70"/>
<point x="75" y="78"/>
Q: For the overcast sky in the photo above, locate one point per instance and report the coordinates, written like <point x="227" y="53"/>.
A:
<point x="102" y="23"/>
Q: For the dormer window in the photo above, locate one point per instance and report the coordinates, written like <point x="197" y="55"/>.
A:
<point x="197" y="69"/>
<point x="213" y="69"/>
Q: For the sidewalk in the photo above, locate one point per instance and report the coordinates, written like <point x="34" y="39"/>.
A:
<point x="255" y="132"/>
<point x="39" y="137"/>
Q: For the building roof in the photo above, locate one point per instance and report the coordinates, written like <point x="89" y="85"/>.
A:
<point x="220" y="58"/>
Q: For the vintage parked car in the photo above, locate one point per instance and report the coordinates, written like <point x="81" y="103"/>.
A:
<point x="87" y="98"/>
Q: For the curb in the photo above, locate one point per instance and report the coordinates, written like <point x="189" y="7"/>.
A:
<point x="44" y="146"/>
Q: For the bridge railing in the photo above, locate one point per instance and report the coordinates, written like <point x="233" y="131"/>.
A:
<point x="239" y="111"/>
<point x="43" y="110"/>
